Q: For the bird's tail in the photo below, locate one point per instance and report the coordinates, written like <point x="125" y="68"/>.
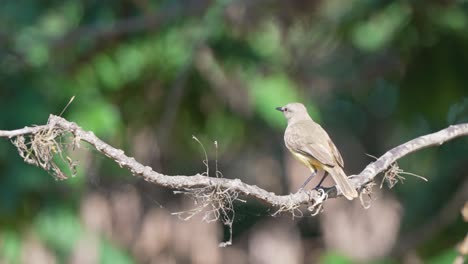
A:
<point x="343" y="183"/>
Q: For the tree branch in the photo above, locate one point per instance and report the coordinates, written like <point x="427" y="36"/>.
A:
<point x="184" y="183"/>
<point x="391" y="156"/>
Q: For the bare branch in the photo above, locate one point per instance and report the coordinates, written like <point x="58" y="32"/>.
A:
<point x="391" y="156"/>
<point x="19" y="132"/>
<point x="182" y="182"/>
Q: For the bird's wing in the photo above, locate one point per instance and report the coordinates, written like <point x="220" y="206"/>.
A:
<point x="312" y="144"/>
<point x="336" y="153"/>
<point x="318" y="152"/>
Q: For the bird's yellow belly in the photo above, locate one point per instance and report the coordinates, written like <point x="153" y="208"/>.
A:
<point x="311" y="163"/>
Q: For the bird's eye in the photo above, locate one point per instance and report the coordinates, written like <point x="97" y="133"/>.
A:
<point x="285" y="109"/>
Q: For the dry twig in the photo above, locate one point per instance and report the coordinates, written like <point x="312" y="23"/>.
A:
<point x="214" y="202"/>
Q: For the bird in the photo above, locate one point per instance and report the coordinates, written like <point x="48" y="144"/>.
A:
<point x="311" y="145"/>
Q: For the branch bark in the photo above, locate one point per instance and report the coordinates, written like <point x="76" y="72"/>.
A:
<point x="183" y="182"/>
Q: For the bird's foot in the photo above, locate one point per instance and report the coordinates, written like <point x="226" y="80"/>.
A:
<point x="318" y="189"/>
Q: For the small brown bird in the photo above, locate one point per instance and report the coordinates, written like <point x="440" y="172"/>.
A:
<point x="311" y="145"/>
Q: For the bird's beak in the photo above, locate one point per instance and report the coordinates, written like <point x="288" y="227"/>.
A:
<point x="279" y="108"/>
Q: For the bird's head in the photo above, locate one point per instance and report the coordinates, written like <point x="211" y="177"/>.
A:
<point x="294" y="112"/>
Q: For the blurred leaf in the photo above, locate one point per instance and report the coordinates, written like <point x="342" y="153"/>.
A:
<point x="224" y="129"/>
<point x="384" y="261"/>
<point x="172" y="49"/>
<point x="266" y="41"/>
<point x="160" y="56"/>
<point x="99" y="116"/>
<point x="452" y="17"/>
<point x="269" y="92"/>
<point x="445" y="257"/>
<point x="86" y="79"/>
<point x="10" y="246"/>
<point x="380" y="29"/>
<point x="131" y="61"/>
<point x="112" y="255"/>
<point x="33" y="45"/>
<point x="107" y="71"/>
<point x="334" y="258"/>
<point x="59" y="20"/>
<point x="59" y="227"/>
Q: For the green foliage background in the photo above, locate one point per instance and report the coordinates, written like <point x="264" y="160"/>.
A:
<point x="374" y="73"/>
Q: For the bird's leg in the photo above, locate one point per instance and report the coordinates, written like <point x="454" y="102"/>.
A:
<point x="324" y="176"/>
<point x="307" y="181"/>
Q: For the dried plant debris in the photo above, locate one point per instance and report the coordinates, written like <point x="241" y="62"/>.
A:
<point x="214" y="202"/>
<point x="317" y="206"/>
<point x="366" y="191"/>
<point x="46" y="149"/>
<point x="394" y="174"/>
<point x="294" y="209"/>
